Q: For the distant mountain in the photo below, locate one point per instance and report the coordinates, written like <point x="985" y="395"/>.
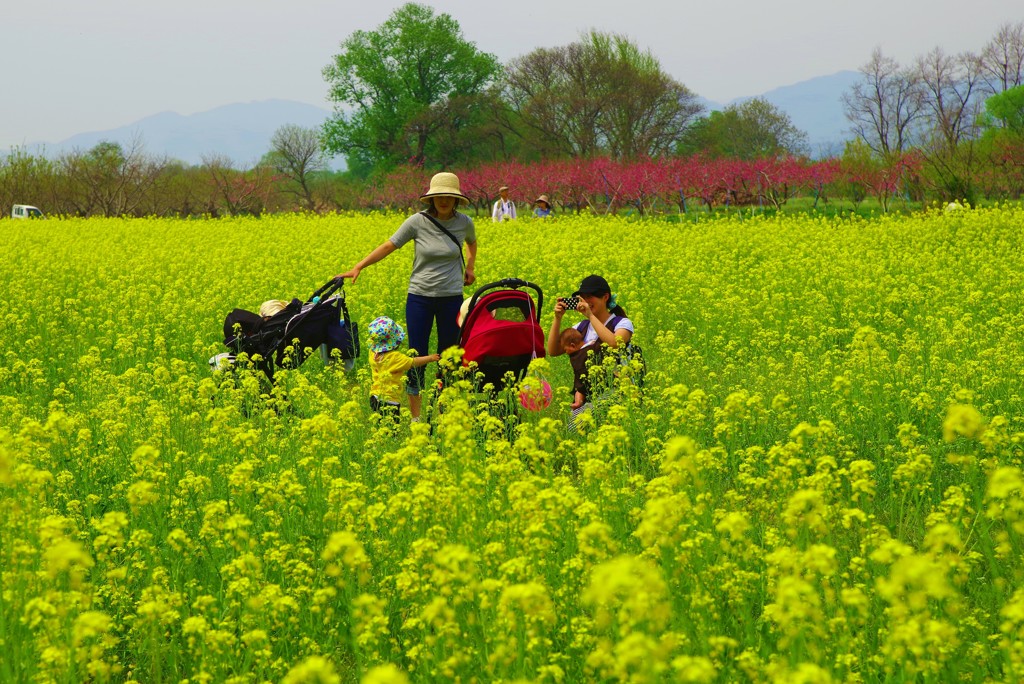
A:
<point x="241" y="131"/>
<point x="709" y="105"/>
<point x="815" y="107"/>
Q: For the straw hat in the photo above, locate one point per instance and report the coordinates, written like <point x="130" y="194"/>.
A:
<point x="271" y="307"/>
<point x="544" y="199"/>
<point x="441" y="185"/>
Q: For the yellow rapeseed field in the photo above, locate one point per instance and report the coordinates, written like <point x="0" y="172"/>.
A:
<point x="821" y="480"/>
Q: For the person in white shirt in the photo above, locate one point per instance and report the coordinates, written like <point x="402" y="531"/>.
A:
<point x="504" y="208"/>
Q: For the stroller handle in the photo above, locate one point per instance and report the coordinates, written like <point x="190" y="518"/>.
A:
<point x="327" y="289"/>
<point x="514" y="283"/>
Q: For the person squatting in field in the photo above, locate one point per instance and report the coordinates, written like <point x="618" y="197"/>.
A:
<point x="604" y="322"/>
<point x="439" y="271"/>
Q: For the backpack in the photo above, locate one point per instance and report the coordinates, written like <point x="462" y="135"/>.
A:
<point x="626" y="356"/>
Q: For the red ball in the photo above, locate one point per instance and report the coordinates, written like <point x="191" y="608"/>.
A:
<point x="535" y="394"/>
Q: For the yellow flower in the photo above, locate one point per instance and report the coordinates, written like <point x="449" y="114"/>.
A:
<point x="90" y="624"/>
<point x="796" y="608"/>
<point x="962" y="420"/>
<point x="530" y="599"/>
<point x="312" y="670"/>
<point x="344" y="551"/>
<point x="630" y="591"/>
<point x="805" y="509"/>
<point x="385" y="674"/>
<point x="1004" y="482"/>
<point x="141" y="494"/>
<point x="693" y="669"/>
<point x="734" y="524"/>
<point x="67" y="556"/>
<point x="6" y="463"/>
<point x="194" y="625"/>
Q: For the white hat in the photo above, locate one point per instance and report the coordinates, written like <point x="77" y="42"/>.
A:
<point x="463" y="311"/>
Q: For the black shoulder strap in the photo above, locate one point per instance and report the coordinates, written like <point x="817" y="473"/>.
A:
<point x="447" y="232"/>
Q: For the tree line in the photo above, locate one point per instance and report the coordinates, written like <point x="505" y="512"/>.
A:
<point x="414" y="96"/>
<point x="960" y="114"/>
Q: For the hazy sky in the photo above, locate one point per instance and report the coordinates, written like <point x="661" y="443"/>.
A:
<point x="71" y="67"/>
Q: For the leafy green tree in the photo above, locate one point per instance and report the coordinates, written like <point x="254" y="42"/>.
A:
<point x="948" y="125"/>
<point x="647" y="109"/>
<point x="600" y="95"/>
<point x="401" y="83"/>
<point x="1005" y="112"/>
<point x="109" y="179"/>
<point x="182" y="190"/>
<point x="1002" y="144"/>
<point x="753" y="129"/>
<point x="949" y="90"/>
<point x="554" y="101"/>
<point x="237" y="192"/>
<point x="25" y="179"/>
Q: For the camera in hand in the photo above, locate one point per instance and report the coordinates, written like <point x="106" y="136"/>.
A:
<point x="570" y="302"/>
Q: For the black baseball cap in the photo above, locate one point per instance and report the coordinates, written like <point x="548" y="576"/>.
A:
<point x="592" y="285"/>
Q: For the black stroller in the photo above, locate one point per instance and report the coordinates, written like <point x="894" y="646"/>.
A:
<point x="322" y="322"/>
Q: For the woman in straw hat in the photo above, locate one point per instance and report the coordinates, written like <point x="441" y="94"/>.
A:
<point x="438" y="271"/>
<point x="542" y="207"/>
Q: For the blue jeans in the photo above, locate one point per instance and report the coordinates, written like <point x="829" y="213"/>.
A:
<point x="420" y="314"/>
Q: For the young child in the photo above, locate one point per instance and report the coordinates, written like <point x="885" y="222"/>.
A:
<point x="388" y="365"/>
<point x="572" y="344"/>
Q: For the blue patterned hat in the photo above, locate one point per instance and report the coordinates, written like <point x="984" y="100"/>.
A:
<point x="385" y="335"/>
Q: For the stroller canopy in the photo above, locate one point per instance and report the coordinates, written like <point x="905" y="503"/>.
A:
<point x="502" y="332"/>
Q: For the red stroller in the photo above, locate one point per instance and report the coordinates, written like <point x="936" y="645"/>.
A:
<point x="501" y="332"/>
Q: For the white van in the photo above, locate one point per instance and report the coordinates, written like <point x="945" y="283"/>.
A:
<point x="26" y="211"/>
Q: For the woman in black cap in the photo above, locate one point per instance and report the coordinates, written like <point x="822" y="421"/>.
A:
<point x="604" y="321"/>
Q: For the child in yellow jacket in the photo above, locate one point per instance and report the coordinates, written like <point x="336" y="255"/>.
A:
<point x="388" y="366"/>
